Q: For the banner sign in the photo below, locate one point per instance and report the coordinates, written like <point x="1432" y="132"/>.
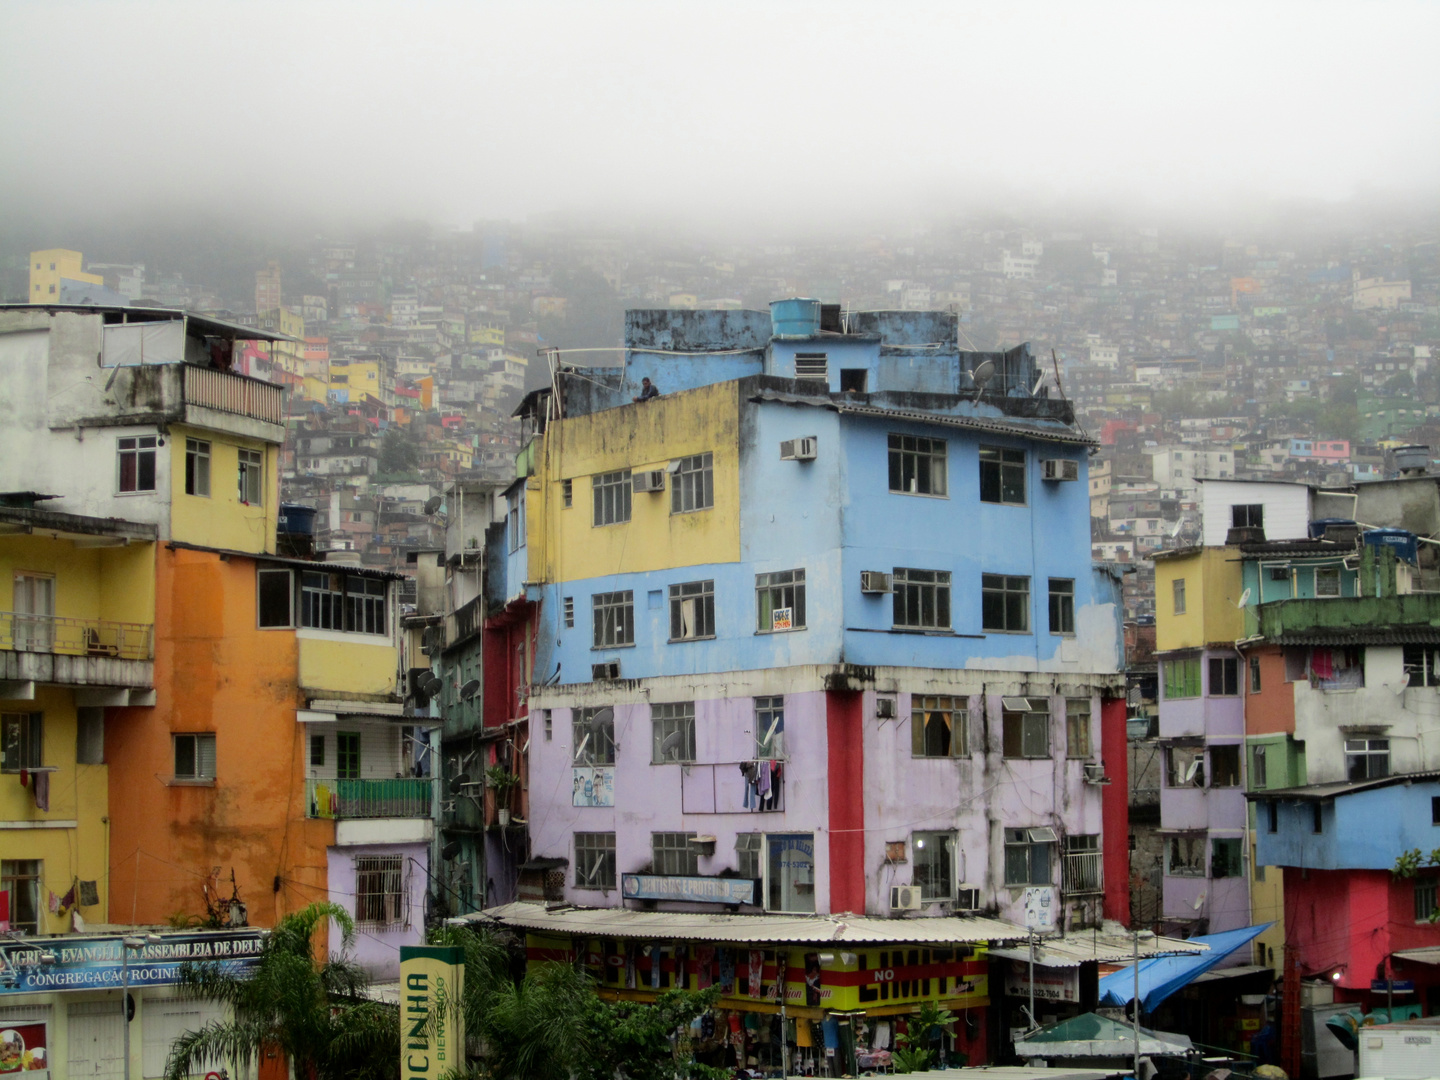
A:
<point x="704" y="890"/>
<point x="432" y="1025"/>
<point x="97" y="963"/>
<point x="1051" y="984"/>
<point x="594" y="785"/>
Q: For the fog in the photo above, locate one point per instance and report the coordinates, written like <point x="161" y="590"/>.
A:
<point x="715" y="112"/>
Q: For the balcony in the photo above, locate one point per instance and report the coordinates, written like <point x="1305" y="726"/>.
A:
<point x="75" y="652"/>
<point x="230" y="393"/>
<point x="351" y="800"/>
<point x="1083" y="873"/>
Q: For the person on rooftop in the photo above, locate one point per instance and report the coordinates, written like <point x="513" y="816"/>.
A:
<point x="647" y="390"/>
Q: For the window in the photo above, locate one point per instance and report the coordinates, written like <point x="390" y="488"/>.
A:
<point x="692" y="611"/>
<point x="1247" y="516"/>
<point x="22" y="741"/>
<point x="672" y="732"/>
<point x="934" y="865"/>
<point x="380" y="891"/>
<point x="780" y="601"/>
<point x="939" y="727"/>
<point x="672" y="854"/>
<point x="769" y="728"/>
<point x="515" y="519"/>
<point x="252" y="477"/>
<point x="137" y="463"/>
<point x="1435" y="810"/>
<point x="595" y="860"/>
<point x="1177" y="590"/>
<point x="21" y="879"/>
<point x="322" y="600"/>
<point x="1317" y="823"/>
<point x="317" y="751"/>
<point x="33" y="625"/>
<point x="364" y="604"/>
<point x="922" y="599"/>
<point x="347" y="755"/>
<point x="1182" y="677"/>
<point x="1225" y="765"/>
<point x="1427" y="898"/>
<point x="569" y="613"/>
<point x="749" y="847"/>
<point x="917" y="465"/>
<point x="790" y="872"/>
<point x="1224" y="676"/>
<point x="1027" y="856"/>
<point x="197" y="467"/>
<point x="692" y="484"/>
<point x="1002" y="476"/>
<point x="1025" y="729"/>
<point x="194" y="757"/>
<point x="593" y="734"/>
<point x="1272" y="816"/>
<point x="1062" y="606"/>
<point x="1327" y="581"/>
<point x="1254" y="675"/>
<point x="1004" y="604"/>
<point x="611" y="494"/>
<point x="1185" y="856"/>
<point x="1184" y="766"/>
<point x="89" y="736"/>
<point x="1077" y="728"/>
<point x="1367" y="759"/>
<point x="614" y="619"/>
<point x="275" y="594"/>
<point x="1422" y="665"/>
<point x="1083" y="871"/>
<point x="567" y="493"/>
<point x="1257" y="768"/>
<point x="853" y="380"/>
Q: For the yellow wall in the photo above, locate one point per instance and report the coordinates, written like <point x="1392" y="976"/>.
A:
<point x="359" y="377"/>
<point x="565" y="545"/>
<point x="220" y="520"/>
<point x="346" y="667"/>
<point x="315" y="389"/>
<point x="1212" y="593"/>
<point x="1267" y="904"/>
<point x="45" y="283"/>
<point x="90" y="583"/>
<point x="78" y="793"/>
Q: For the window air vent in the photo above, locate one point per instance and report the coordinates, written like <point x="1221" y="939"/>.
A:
<point x="608" y="670"/>
<point x="873" y="581"/>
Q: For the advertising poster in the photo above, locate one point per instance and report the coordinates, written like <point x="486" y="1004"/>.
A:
<point x="23" y="1050"/>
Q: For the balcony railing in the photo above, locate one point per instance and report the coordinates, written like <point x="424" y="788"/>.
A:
<point x="402" y="797"/>
<point x="1084" y="873"/>
<point x="233" y="393"/>
<point x="21" y="632"/>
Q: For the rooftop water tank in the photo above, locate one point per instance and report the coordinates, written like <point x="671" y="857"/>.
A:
<point x="296" y="518"/>
<point x="795" y="318"/>
<point x="1400" y="541"/>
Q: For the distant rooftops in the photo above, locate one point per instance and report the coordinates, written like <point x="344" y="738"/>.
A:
<point x="196" y="324"/>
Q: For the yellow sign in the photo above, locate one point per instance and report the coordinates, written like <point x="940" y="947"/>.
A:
<point x="432" y="1025"/>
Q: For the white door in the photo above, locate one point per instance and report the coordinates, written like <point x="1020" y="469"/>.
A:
<point x="34" y="612"/>
<point x="97" y="1041"/>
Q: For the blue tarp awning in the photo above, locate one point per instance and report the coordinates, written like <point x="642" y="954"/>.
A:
<point x="1161" y="976"/>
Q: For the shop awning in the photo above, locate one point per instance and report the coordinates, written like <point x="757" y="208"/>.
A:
<point x="1092" y="1036"/>
<point x="1162" y="976"/>
<point x="1419" y="956"/>
<point x="746" y="929"/>
<point x="1112" y="944"/>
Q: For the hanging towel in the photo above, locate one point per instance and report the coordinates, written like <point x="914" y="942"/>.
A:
<point x="1322" y="664"/>
<point x="764" y="779"/>
<point x="42" y="791"/>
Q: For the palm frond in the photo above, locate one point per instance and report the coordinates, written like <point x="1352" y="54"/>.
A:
<point x="220" y="1042"/>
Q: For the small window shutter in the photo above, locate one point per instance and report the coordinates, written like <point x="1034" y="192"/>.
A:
<point x="205" y="756"/>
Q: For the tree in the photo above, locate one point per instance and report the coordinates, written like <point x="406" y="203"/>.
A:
<point x="398" y="453"/>
<point x="311" y="1010"/>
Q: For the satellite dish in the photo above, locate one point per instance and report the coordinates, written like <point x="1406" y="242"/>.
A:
<point x="433" y="685"/>
<point x="670" y="742"/>
<point x="1199" y="901"/>
<point x="458" y="781"/>
<point x="580" y="750"/>
<point x="771" y="733"/>
<point x="470" y="689"/>
<point x="432" y="504"/>
<point x="1190" y="772"/>
<point x="1176" y="530"/>
<point x="1244" y="599"/>
<point x="450" y="850"/>
<point x="1039" y="383"/>
<point x="602" y="716"/>
<point x="983" y="373"/>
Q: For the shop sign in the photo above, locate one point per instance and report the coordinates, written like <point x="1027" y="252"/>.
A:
<point x="97" y="963"/>
<point x="594" y="786"/>
<point x="432" y="1024"/>
<point x="1051" y="984"/>
<point x="705" y="890"/>
<point x="1397" y="986"/>
<point x="23" y="1049"/>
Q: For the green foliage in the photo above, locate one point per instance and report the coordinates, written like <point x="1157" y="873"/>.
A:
<point x="312" y="1011"/>
<point x="399" y="454"/>
<point x="914" y="1053"/>
<point x="1414" y="859"/>
<point x="500" y="778"/>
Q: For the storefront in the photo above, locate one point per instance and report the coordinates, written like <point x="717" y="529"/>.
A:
<point x="63" y="1007"/>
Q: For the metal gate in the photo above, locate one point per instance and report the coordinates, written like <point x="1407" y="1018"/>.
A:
<point x="97" y="1041"/>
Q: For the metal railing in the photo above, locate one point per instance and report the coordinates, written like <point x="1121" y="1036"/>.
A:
<point x="233" y="393"/>
<point x="1084" y="872"/>
<point x="22" y="632"/>
<point x="402" y="797"/>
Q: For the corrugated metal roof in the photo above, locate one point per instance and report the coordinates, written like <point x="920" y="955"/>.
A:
<point x="1107" y="948"/>
<point x="1359" y="635"/>
<point x="1320" y="792"/>
<point x="739" y="929"/>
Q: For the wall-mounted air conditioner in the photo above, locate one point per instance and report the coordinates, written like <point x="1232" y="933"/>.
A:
<point x="803" y="449"/>
<point x="1059" y="469"/>
<point x="884" y="708"/>
<point x="1095" y="773"/>
<point x="874" y="581"/>
<point x="904" y="898"/>
<point x="608" y="670"/>
<point x="649" y="480"/>
<point x="967" y="899"/>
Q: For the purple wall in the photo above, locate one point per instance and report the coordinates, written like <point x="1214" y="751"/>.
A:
<point x="377" y="948"/>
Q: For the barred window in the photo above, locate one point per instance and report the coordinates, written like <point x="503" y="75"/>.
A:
<point x="595" y="860"/>
<point x="611" y="492"/>
<point x="673" y="854"/>
<point x="380" y="891"/>
<point x="922" y="599"/>
<point x="692" y="610"/>
<point x="21" y="741"/>
<point x="917" y="465"/>
<point x="939" y="727"/>
<point x="692" y="486"/>
<point x="780" y="601"/>
<point x="672" y="728"/>
<point x="614" y="618"/>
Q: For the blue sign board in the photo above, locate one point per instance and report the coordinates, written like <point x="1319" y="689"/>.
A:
<point x="704" y="890"/>
<point x="1398" y="986"/>
<point x="97" y="963"/>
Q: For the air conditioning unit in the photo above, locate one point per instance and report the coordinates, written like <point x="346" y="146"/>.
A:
<point x="1059" y="469"/>
<point x="799" y="449"/>
<point x="967" y="899"/>
<point x="873" y="581"/>
<point x="649" y="480"/>
<point x="1095" y="773"/>
<point x="884" y="708"/>
<point x="904" y="898"/>
<point x="608" y="670"/>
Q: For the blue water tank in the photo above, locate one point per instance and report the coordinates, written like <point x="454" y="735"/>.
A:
<point x="795" y="318"/>
<point x="1401" y="541"/>
<point x="296" y="519"/>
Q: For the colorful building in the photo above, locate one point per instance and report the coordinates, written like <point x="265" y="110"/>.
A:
<point x="50" y="270"/>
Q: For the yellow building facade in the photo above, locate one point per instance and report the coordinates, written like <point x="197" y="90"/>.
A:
<point x="1197" y="599"/>
<point x="48" y="267"/>
<point x="225" y="492"/>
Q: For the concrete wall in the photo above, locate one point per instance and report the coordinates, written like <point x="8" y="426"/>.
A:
<point x="1287" y="508"/>
<point x="377" y="948"/>
<point x="1365" y="830"/>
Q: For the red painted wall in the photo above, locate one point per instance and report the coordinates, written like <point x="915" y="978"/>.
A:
<point x="1115" y="809"/>
<point x="846" y="791"/>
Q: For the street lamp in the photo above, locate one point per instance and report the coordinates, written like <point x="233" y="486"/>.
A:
<point x="137" y="942"/>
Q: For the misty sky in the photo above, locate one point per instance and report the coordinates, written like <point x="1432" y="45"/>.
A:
<point x="458" y="111"/>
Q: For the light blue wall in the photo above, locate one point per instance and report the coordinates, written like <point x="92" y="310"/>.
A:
<point x="1367" y="830"/>
<point x="1301" y="574"/>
